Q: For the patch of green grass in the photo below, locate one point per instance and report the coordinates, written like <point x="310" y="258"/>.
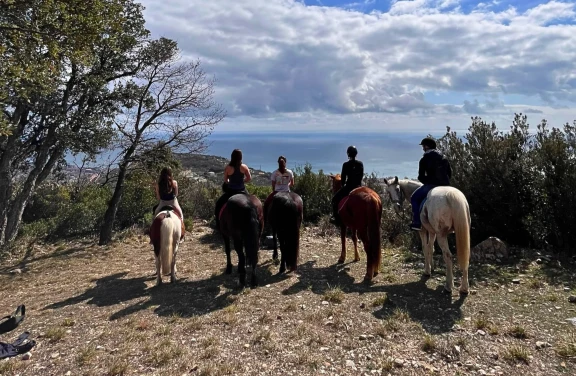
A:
<point x="566" y="347"/>
<point x="162" y="354"/>
<point x="117" y="367"/>
<point x="334" y="294"/>
<point x="55" y="334"/>
<point x="85" y="355"/>
<point x="429" y="344"/>
<point x="68" y="322"/>
<point x="380" y="301"/>
<point x="516" y="354"/>
<point x="518" y="331"/>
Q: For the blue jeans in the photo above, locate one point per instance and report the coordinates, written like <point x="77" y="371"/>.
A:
<point x="417" y="197"/>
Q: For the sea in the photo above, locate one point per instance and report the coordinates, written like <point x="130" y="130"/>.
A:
<point x="385" y="154"/>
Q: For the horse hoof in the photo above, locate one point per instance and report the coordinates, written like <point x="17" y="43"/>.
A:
<point x="282" y="270"/>
<point x="173" y="280"/>
<point x="426" y="275"/>
<point x="229" y="269"/>
<point x="341" y="261"/>
<point x="446" y="291"/>
<point x="464" y="293"/>
<point x="356" y="259"/>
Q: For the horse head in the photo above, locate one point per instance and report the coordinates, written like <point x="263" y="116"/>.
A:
<point x="395" y="193"/>
<point x="336" y="182"/>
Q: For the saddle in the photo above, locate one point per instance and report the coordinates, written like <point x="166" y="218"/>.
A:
<point x="178" y="214"/>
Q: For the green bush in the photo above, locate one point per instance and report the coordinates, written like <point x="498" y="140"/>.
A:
<point x="519" y="185"/>
<point x="315" y="190"/>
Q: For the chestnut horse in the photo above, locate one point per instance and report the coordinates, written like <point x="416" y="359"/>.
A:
<point x="165" y="236"/>
<point x="241" y="218"/>
<point x="284" y="212"/>
<point x="361" y="211"/>
<point x="445" y="211"/>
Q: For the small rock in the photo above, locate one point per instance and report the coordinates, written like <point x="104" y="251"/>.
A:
<point x="363" y="337"/>
<point x="572" y="320"/>
<point x="16" y="271"/>
<point x="68" y="373"/>
<point x="481" y="332"/>
<point x="324" y="302"/>
<point x="539" y="261"/>
<point x="99" y="347"/>
<point x="350" y="364"/>
<point x="542" y="345"/>
<point x="324" y="348"/>
<point x="457" y="349"/>
<point x="55" y="355"/>
<point x="566" y="289"/>
<point x="246" y="345"/>
<point x="27" y="356"/>
<point x="516" y="281"/>
<point x="572" y="298"/>
<point x="362" y="305"/>
<point x="398" y="363"/>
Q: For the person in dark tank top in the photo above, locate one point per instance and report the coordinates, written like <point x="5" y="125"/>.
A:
<point x="352" y="175"/>
<point x="236" y="175"/>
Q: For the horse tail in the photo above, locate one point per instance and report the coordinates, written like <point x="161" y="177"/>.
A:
<point x="375" y="232"/>
<point x="251" y="233"/>
<point x="166" y="244"/>
<point x="461" y="220"/>
<point x="291" y="228"/>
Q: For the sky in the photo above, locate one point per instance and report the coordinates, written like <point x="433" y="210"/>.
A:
<point x="378" y="65"/>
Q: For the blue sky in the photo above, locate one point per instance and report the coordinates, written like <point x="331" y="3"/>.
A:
<point x="378" y="65"/>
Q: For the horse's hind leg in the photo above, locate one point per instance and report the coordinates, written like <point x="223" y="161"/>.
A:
<point x="427" y="240"/>
<point x="283" y="249"/>
<point x="443" y="243"/>
<point x="342" y="258"/>
<point x="228" y="259"/>
<point x="238" y="246"/>
<point x="275" y="242"/>
<point x="355" y="241"/>
<point x="158" y="274"/>
<point x="173" y="266"/>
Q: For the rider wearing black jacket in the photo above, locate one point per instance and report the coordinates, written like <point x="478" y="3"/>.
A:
<point x="352" y="175"/>
<point x="433" y="171"/>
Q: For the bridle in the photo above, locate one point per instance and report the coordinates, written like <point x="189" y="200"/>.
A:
<point x="399" y="201"/>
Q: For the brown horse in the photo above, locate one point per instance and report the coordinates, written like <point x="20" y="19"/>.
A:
<point x="284" y="213"/>
<point x="241" y="219"/>
<point x="361" y="211"/>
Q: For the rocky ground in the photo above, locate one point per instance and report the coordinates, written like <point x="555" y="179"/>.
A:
<point x="95" y="311"/>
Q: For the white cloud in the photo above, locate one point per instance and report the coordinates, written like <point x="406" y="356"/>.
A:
<point x="282" y="57"/>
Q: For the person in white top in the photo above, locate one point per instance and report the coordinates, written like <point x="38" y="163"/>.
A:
<point x="282" y="179"/>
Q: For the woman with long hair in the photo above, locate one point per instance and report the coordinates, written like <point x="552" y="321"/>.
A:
<point x="236" y="175"/>
<point x="166" y="190"/>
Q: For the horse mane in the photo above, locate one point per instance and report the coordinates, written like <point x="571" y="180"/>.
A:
<point x="337" y="177"/>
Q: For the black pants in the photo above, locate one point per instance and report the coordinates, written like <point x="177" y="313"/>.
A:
<point x="343" y="192"/>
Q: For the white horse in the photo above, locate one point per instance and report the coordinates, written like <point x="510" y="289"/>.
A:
<point x="445" y="211"/>
<point x="165" y="235"/>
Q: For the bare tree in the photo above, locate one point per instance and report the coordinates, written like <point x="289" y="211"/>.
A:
<point x="168" y="104"/>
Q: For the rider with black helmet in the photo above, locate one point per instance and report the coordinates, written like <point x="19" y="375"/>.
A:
<point x="433" y="171"/>
<point x="352" y="175"/>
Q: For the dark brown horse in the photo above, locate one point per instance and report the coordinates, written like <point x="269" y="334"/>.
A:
<point x="241" y="219"/>
<point x="361" y="211"/>
<point x="284" y="213"/>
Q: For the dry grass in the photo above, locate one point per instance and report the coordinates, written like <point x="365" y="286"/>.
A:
<point x="100" y="314"/>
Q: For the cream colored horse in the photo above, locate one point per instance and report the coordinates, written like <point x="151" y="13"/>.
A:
<point x="165" y="235"/>
<point x="445" y="211"/>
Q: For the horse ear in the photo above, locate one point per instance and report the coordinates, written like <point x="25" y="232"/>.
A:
<point x="395" y="180"/>
<point x="386" y="181"/>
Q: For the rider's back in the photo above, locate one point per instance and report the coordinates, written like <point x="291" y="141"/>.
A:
<point x="435" y="169"/>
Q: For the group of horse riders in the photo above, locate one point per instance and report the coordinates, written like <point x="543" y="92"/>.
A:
<point x="434" y="170"/>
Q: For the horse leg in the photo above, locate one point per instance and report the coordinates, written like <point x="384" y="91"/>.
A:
<point x="342" y="258"/>
<point x="427" y="240"/>
<point x="275" y="241"/>
<point x="228" y="259"/>
<point x="158" y="273"/>
<point x="355" y="241"/>
<point x="443" y="243"/>
<point x="283" y="249"/>
<point x="370" y="261"/>
<point x="173" y="266"/>
<point x="238" y="246"/>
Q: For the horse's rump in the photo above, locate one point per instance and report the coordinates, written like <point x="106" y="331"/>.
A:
<point x="155" y="231"/>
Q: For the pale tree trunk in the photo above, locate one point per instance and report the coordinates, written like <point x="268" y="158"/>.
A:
<point x="44" y="165"/>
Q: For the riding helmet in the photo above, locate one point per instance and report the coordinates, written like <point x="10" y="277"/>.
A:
<point x="428" y="142"/>
<point x="352" y="151"/>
